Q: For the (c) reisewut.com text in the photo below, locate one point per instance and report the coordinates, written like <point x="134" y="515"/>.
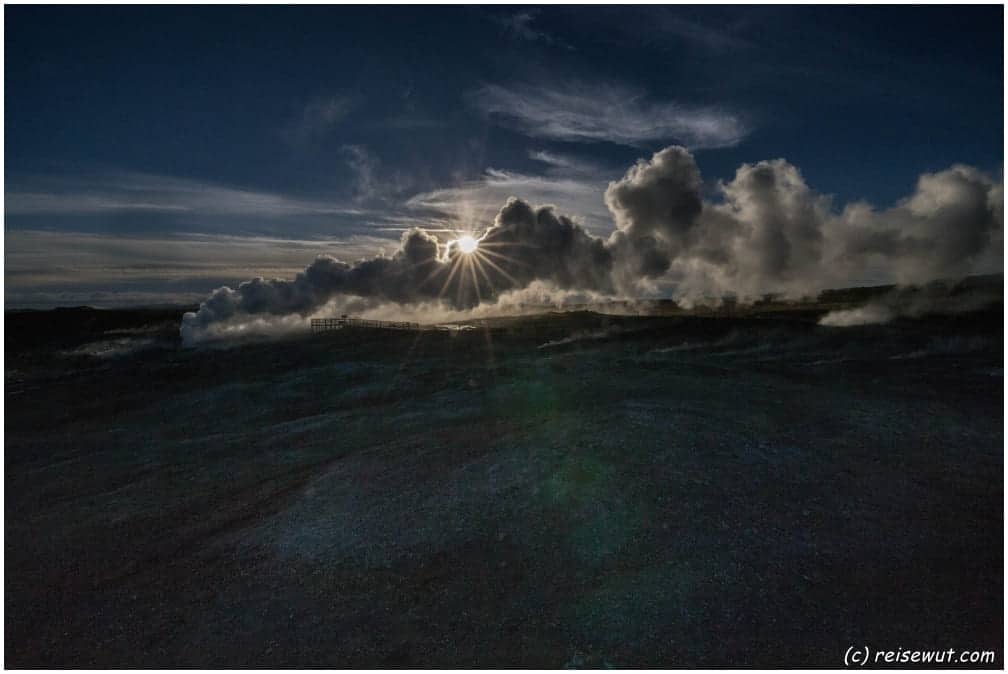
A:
<point x="861" y="656"/>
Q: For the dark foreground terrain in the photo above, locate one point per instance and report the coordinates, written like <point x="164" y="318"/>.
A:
<point x="563" y="490"/>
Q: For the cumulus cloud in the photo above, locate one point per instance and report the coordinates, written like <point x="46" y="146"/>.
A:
<point x="606" y="112"/>
<point x="770" y="232"/>
<point x="545" y="246"/>
<point x="767" y="231"/>
<point x="656" y="205"/>
<point x="941" y="229"/>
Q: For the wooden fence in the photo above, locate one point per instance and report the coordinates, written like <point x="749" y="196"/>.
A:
<point x="329" y="324"/>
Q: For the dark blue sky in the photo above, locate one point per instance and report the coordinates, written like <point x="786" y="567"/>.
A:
<point x="331" y="123"/>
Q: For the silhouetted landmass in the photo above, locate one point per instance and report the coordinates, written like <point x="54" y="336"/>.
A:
<point x="64" y="326"/>
<point x="724" y="487"/>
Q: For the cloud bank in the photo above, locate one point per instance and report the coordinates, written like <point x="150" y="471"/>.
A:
<point x="767" y="231"/>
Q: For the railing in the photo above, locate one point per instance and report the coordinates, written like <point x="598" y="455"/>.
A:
<point x="329" y="324"/>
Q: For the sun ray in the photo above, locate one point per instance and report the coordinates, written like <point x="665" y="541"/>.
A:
<point x="460" y="285"/>
<point x="437" y="270"/>
<point x="478" y="264"/>
<point x="472" y="272"/>
<point x="506" y="258"/>
<point x="505" y="244"/>
<point x="508" y="276"/>
<point x="456" y="265"/>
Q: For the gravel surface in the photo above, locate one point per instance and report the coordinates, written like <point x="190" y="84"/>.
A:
<point x="563" y="490"/>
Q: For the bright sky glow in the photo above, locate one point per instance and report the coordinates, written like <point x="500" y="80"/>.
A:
<point x="467" y="244"/>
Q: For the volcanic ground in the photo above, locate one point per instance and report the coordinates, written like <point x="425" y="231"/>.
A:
<point x="567" y="489"/>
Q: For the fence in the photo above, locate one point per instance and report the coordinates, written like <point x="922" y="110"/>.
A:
<point x="329" y="324"/>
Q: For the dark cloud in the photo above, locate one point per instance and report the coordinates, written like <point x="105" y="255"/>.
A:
<point x="399" y="278"/>
<point x="546" y="246"/>
<point x="659" y="197"/>
<point x="656" y="207"/>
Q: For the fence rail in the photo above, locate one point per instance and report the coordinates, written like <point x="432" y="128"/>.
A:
<point x="329" y="324"/>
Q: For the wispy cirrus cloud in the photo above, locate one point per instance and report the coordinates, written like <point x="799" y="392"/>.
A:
<point x="607" y="113"/>
<point x="45" y="268"/>
<point x="365" y="167"/>
<point x="520" y="25"/>
<point x="316" y="118"/>
<point x="568" y="165"/>
<point x="114" y="192"/>
<point x="719" y="39"/>
<point x="475" y="202"/>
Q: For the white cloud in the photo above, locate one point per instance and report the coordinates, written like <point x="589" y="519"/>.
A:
<point x="607" y="112"/>
<point x="564" y="164"/>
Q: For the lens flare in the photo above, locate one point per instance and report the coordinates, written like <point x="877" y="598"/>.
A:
<point x="474" y="264"/>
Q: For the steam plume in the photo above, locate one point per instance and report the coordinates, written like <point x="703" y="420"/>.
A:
<point x="767" y="231"/>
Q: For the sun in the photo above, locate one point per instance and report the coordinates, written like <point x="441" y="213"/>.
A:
<point x="477" y="261"/>
<point x="467" y="244"/>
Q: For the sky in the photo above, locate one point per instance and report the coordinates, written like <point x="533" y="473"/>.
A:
<point x="153" y="154"/>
